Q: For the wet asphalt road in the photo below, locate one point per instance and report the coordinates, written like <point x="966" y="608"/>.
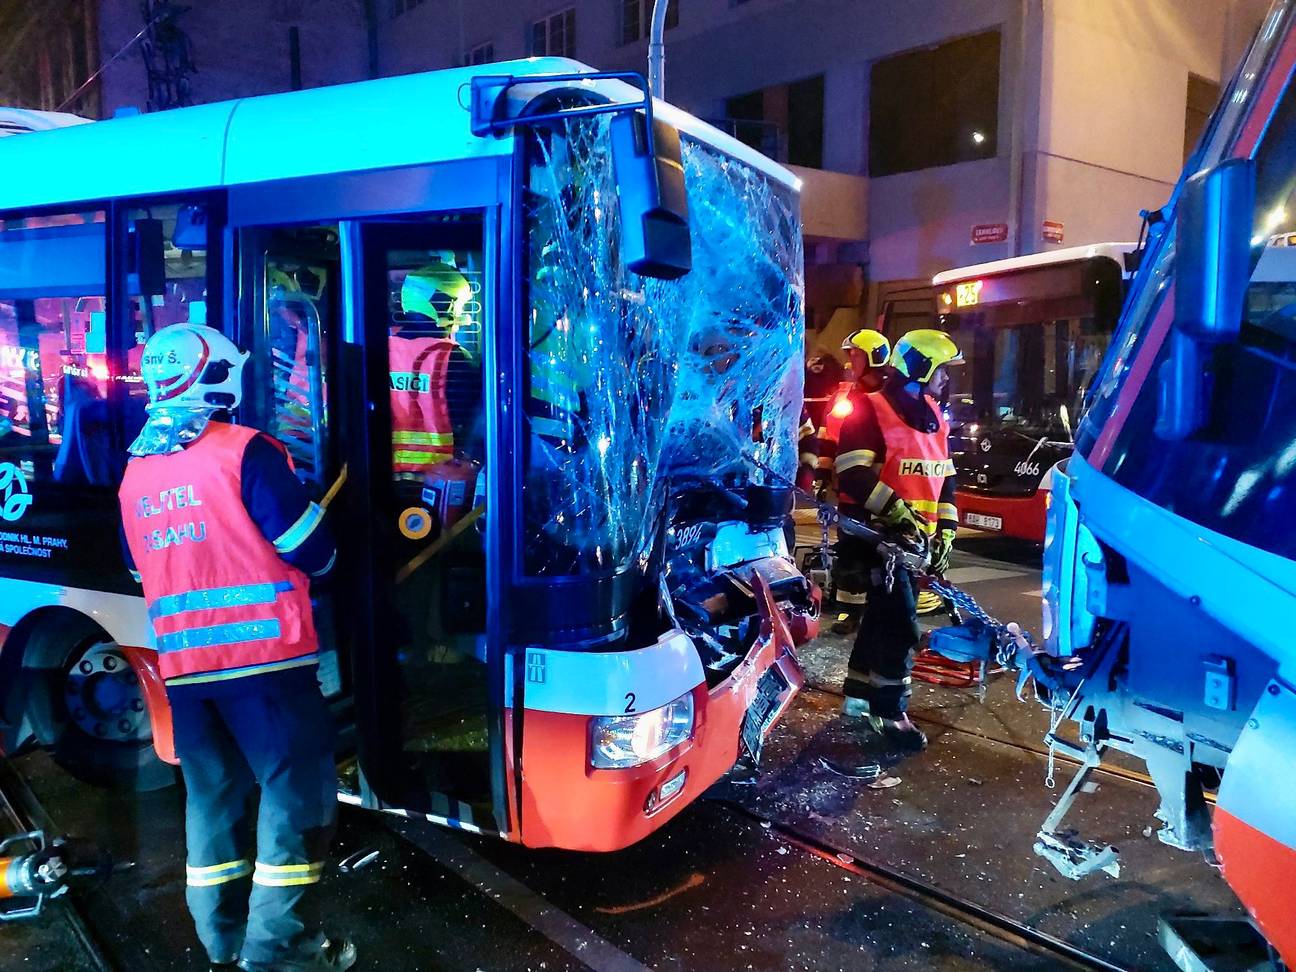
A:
<point x="714" y="889"/>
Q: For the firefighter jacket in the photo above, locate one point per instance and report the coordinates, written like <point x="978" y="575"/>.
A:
<point x="225" y="575"/>
<point x="890" y="451"/>
<point x="422" y="434"/>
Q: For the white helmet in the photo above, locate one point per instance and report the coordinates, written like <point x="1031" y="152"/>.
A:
<point x="192" y="366"/>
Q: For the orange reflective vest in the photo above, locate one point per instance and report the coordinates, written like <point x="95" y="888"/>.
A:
<point x="917" y="463"/>
<point x="221" y="601"/>
<point x="840" y="407"/>
<point x="422" y="435"/>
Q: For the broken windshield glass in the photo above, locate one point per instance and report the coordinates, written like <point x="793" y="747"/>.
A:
<point x="635" y="381"/>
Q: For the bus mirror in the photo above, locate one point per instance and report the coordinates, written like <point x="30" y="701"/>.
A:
<point x="1181" y="404"/>
<point x="1213" y="250"/>
<point x="146" y="267"/>
<point x="653" y="199"/>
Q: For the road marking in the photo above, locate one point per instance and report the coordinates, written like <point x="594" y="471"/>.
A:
<point x="973" y="575"/>
<point x="510" y="893"/>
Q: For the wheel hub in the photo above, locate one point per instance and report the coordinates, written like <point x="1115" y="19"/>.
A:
<point x="104" y="698"/>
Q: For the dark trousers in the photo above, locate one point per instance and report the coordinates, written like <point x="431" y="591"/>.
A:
<point x="852" y="562"/>
<point x="887" y="639"/>
<point x="273" y="732"/>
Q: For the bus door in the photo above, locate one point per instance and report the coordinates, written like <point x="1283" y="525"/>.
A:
<point x="429" y="711"/>
<point x="291" y="285"/>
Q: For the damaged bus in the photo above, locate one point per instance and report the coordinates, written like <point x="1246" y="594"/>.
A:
<point x="540" y="356"/>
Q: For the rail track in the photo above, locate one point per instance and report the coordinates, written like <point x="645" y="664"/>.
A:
<point x="985" y="920"/>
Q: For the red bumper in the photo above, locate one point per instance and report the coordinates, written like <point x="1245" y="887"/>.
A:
<point x="1260" y="869"/>
<point x="1022" y="517"/>
<point x="567" y="803"/>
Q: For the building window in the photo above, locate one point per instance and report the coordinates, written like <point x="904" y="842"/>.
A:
<point x="937" y="106"/>
<point x="555" y="35"/>
<point x="398" y="7"/>
<point x="636" y="18"/>
<point x="1202" y="95"/>
<point x="481" y="54"/>
<point x="785" y="121"/>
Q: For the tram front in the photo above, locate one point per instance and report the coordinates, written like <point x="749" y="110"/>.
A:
<point x="652" y="608"/>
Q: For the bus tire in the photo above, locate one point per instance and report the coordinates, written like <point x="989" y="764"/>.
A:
<point x="94" y="712"/>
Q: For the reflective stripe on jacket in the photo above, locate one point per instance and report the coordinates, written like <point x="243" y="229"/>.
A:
<point x="220" y="599"/>
<point x="422" y="434"/>
<point x="917" y="463"/>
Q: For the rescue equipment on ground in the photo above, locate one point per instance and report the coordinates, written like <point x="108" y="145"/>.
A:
<point x="43" y="871"/>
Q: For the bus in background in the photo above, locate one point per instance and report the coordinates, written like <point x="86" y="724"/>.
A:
<point x="1033" y="330"/>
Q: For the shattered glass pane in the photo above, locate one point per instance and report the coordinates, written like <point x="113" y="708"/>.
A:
<point x="636" y="381"/>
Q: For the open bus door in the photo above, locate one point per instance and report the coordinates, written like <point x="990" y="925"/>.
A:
<point x="429" y="694"/>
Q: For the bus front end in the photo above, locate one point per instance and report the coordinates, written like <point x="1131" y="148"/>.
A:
<point x="1032" y="331"/>
<point x="656" y="609"/>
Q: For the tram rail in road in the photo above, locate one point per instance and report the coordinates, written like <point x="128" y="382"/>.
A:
<point x="1008" y="930"/>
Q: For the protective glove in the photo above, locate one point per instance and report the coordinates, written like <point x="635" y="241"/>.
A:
<point x="941" y="548"/>
<point x="904" y="519"/>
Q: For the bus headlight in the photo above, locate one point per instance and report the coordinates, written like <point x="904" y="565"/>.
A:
<point x="629" y="740"/>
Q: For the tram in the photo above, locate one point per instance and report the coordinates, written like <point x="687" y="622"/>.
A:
<point x="1033" y="330"/>
<point x="563" y="605"/>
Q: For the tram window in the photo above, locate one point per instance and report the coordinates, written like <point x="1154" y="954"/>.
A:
<point x="53" y="363"/>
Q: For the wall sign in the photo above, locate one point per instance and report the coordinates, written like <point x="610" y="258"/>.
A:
<point x="989" y="233"/>
<point x="1051" y="231"/>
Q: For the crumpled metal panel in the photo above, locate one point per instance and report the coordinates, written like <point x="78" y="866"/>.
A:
<point x="636" y="380"/>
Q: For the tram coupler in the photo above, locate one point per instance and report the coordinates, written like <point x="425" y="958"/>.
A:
<point x="30" y="880"/>
<point x="1070" y="855"/>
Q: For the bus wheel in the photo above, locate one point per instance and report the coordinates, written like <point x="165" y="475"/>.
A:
<point x="107" y="739"/>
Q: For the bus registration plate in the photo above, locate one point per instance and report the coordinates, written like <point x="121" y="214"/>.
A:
<point x="983" y="521"/>
<point x="760" y="714"/>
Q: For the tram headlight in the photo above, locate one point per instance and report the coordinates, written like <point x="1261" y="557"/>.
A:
<point x="622" y="741"/>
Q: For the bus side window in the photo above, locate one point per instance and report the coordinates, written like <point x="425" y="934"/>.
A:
<point x="178" y="295"/>
<point x="54" y="417"/>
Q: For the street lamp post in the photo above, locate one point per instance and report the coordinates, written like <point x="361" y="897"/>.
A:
<point x="657" y="50"/>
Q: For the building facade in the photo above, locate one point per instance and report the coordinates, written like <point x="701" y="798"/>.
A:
<point x="929" y="134"/>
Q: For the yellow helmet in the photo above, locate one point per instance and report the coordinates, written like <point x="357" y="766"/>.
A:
<point x="873" y="343"/>
<point x="919" y="353"/>
<point x="439" y="292"/>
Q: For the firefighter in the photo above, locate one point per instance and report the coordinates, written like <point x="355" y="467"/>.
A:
<point x="225" y="541"/>
<point x="435" y="385"/>
<point x="867" y="351"/>
<point x="894" y="470"/>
